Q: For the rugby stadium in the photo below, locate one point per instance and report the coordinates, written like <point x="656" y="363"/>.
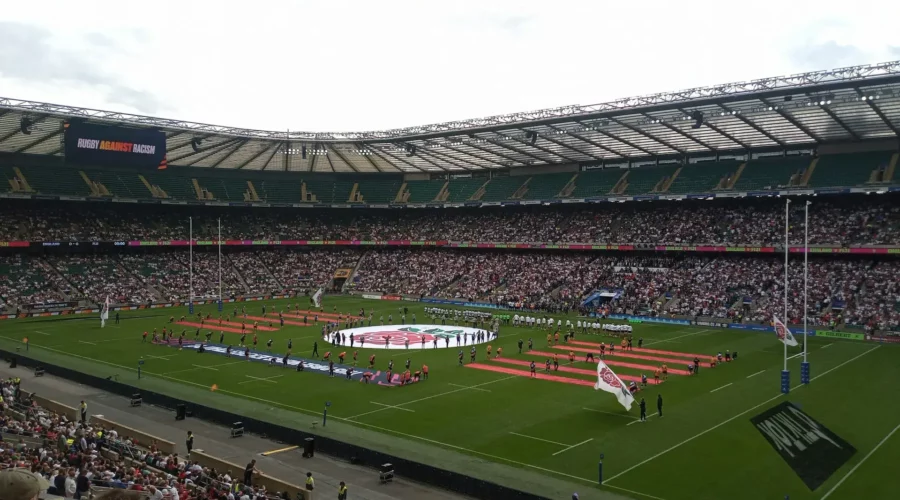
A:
<point x="484" y="278"/>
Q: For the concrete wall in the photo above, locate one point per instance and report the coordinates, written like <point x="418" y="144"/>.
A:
<point x="271" y="484"/>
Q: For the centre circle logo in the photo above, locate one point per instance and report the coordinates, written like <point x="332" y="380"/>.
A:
<point x="418" y="336"/>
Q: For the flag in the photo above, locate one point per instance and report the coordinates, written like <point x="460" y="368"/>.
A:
<point x="317" y="297"/>
<point x="611" y="383"/>
<point x="784" y="335"/>
<point x="104" y="313"/>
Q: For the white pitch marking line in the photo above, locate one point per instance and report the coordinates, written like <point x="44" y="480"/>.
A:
<point x="164" y="358"/>
<point x="436" y="395"/>
<point x="755" y="374"/>
<point x="538" y="439"/>
<point x="467" y="387"/>
<point x="206" y="367"/>
<point x="42" y="333"/>
<point x="260" y="379"/>
<point x="823" y="347"/>
<point x="719" y="388"/>
<point x="826" y="495"/>
<point x="638" y="420"/>
<point x="86" y="342"/>
<point x="739" y="415"/>
<point x="795" y="355"/>
<point x="609" y="413"/>
<point x="573" y="446"/>
<point x="392" y="406"/>
<point x="678" y="337"/>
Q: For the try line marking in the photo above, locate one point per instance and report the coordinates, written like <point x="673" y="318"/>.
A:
<point x="755" y="374"/>
<point x="739" y="415"/>
<point x="826" y="495"/>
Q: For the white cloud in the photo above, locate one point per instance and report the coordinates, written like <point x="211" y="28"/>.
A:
<point x="337" y="65"/>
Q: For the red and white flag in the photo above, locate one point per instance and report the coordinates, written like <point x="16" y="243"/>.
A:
<point x="611" y="383"/>
<point x="784" y="334"/>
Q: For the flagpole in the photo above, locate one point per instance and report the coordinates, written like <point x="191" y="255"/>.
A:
<point x="191" y="265"/>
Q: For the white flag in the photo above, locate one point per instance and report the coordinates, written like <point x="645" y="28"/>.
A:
<point x="104" y="313"/>
<point x="611" y="383"/>
<point x="317" y="297"/>
<point x="784" y="334"/>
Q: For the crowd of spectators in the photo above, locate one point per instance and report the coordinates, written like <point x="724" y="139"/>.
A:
<point x="847" y="220"/>
<point x="301" y="269"/>
<point x="97" y="276"/>
<point x="22" y="281"/>
<point x="80" y="459"/>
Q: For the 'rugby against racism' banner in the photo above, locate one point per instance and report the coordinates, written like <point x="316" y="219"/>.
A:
<point x="611" y="383"/>
<point x="102" y="145"/>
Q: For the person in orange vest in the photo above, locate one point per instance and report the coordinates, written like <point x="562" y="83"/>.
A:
<point x="571" y="357"/>
<point x="665" y="370"/>
<point x="425" y="371"/>
<point x="656" y="375"/>
<point x="327" y="355"/>
<point x="499" y="351"/>
<point x="489" y="350"/>
<point x="341" y="357"/>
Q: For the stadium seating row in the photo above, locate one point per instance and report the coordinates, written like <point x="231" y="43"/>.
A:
<point x="856" y="292"/>
<point x="837" y="220"/>
<point x="839" y="170"/>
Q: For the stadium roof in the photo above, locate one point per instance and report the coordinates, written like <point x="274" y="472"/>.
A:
<point x="853" y="104"/>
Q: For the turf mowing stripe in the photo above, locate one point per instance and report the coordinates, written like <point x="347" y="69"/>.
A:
<point x="850" y="473"/>
<point x="573" y="446"/>
<point x="520" y="373"/>
<point x="755" y="374"/>
<point x="644" y="349"/>
<point x="618" y="363"/>
<point x="701" y="332"/>
<point x="623" y="354"/>
<point x="739" y="415"/>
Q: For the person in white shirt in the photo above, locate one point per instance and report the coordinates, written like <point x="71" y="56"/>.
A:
<point x="70" y="484"/>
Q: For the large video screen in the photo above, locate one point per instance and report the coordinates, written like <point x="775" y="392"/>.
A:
<point x="102" y="145"/>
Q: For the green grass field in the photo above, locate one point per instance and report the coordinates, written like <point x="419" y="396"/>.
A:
<point x="541" y="436"/>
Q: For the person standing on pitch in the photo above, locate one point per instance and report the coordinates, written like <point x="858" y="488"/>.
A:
<point x="659" y="404"/>
<point x="643" y="410"/>
<point x="189" y="442"/>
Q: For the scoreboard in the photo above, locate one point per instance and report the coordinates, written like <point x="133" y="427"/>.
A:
<point x="114" y="146"/>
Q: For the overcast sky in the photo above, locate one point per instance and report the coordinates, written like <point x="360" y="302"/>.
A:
<point x="355" y="65"/>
